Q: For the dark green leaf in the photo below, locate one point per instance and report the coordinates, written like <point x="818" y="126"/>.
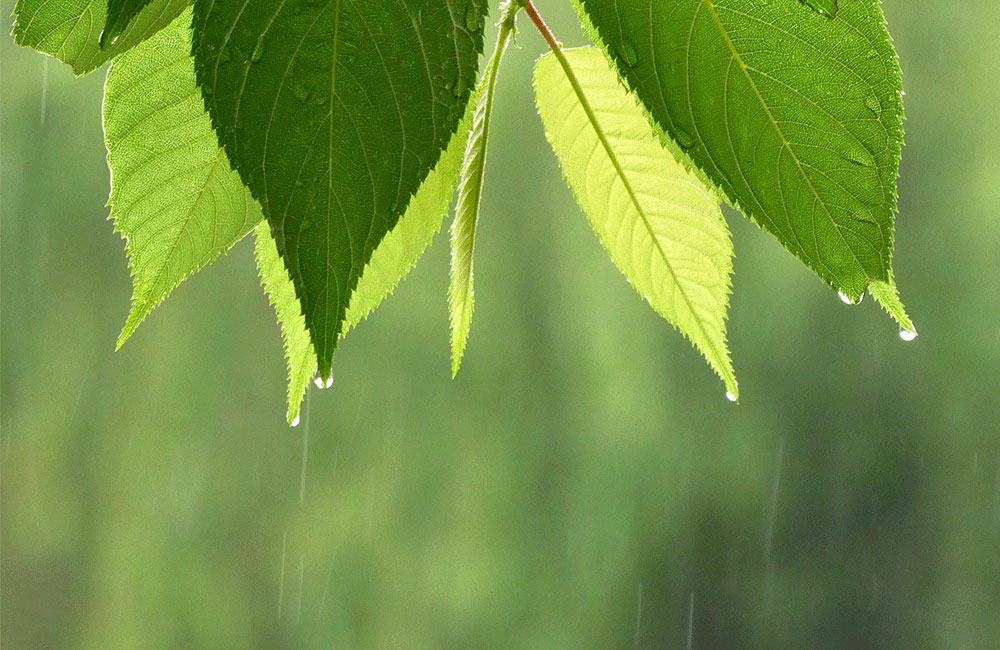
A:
<point x="796" y="118"/>
<point x="120" y="14"/>
<point x="70" y="30"/>
<point x="334" y="114"/>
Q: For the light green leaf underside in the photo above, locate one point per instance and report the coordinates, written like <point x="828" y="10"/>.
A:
<point x="461" y="294"/>
<point x="886" y="294"/>
<point x="174" y="197"/>
<point x="392" y="260"/>
<point x="334" y="113"/>
<point x="660" y="225"/>
<point x="797" y="118"/>
<point x="70" y="30"/>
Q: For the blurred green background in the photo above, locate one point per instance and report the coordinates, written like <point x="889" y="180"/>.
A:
<point x="583" y="483"/>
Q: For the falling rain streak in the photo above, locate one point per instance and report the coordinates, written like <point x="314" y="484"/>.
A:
<point x="44" y="97"/>
<point x="281" y="573"/>
<point x="638" y="616"/>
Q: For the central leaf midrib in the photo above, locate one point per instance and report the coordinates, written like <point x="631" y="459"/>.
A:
<point x="710" y="6"/>
<point x="601" y="136"/>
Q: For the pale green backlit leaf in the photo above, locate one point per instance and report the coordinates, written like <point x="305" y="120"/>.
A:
<point x="795" y="117"/>
<point x="174" y="197"/>
<point x="661" y="226"/>
<point x="392" y="260"/>
<point x="461" y="295"/>
<point x="70" y="30"/>
<point x="334" y="113"/>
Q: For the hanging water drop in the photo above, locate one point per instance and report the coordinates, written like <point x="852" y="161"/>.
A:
<point x="295" y="421"/>
<point x="730" y="396"/>
<point x="318" y="381"/>
<point x="329" y="382"/>
<point x="907" y="335"/>
<point x="847" y="300"/>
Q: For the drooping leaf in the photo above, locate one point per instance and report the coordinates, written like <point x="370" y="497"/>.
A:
<point x="392" y="260"/>
<point x="659" y="223"/>
<point x="797" y="118"/>
<point x="461" y="297"/>
<point x="70" y="30"/>
<point x="334" y="113"/>
<point x="174" y="197"/>
<point x="120" y="14"/>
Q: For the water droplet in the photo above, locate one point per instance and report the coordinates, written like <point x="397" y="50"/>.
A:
<point x="683" y="138"/>
<point x="472" y="19"/>
<point x="323" y="384"/>
<point x="730" y="396"/>
<point x="858" y="155"/>
<point x="295" y="421"/>
<point x="300" y="92"/>
<point x="627" y="52"/>
<point x="846" y="299"/>
<point x="907" y="335"/>
<point x="826" y="8"/>
<point x="871" y="101"/>
<point x="258" y="52"/>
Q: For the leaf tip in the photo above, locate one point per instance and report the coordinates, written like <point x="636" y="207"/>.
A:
<point x="886" y="294"/>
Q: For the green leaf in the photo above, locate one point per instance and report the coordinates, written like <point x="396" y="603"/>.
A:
<point x="120" y="14"/>
<point x="461" y="297"/>
<point x="299" y="355"/>
<point x="797" y="118"/>
<point x="174" y="197"/>
<point x="70" y="30"/>
<point x="333" y="114"/>
<point x="661" y="226"/>
<point x="392" y="260"/>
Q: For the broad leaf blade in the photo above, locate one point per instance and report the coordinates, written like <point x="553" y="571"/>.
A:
<point x="391" y="261"/>
<point x="797" y="118"/>
<point x="661" y="226"/>
<point x="70" y="30"/>
<point x="461" y="296"/>
<point x="334" y="113"/>
<point x="120" y="14"/>
<point x="174" y="198"/>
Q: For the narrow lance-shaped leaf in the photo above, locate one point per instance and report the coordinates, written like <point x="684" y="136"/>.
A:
<point x="391" y="261"/>
<point x="120" y="14"/>
<point x="661" y="226"/>
<point x="70" y="30"/>
<point x="795" y="117"/>
<point x="174" y="197"/>
<point x="333" y="114"/>
<point x="461" y="296"/>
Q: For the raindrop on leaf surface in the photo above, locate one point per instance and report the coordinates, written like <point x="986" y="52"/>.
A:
<point x="907" y="335"/>
<point x="258" y="52"/>
<point x="826" y="8"/>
